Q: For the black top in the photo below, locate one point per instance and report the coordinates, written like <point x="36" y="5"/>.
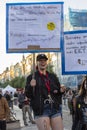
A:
<point x="81" y="110"/>
<point x="39" y="93"/>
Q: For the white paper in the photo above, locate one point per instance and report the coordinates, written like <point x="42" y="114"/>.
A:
<point x="34" y="25"/>
<point x="75" y="51"/>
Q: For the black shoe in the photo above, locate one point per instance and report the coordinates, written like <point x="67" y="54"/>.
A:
<point x="33" y="122"/>
<point x="26" y="124"/>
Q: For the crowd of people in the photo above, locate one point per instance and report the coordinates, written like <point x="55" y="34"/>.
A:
<point x="43" y="94"/>
<point x="7" y="102"/>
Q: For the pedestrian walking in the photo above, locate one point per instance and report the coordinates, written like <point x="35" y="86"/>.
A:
<point x="44" y="91"/>
<point x="25" y="107"/>
<point x="4" y="111"/>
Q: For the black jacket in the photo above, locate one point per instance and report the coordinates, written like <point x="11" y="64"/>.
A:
<point x="80" y="114"/>
<point x="81" y="110"/>
<point x="39" y="93"/>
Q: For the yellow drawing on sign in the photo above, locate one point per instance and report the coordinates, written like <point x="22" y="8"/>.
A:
<point x="51" y="26"/>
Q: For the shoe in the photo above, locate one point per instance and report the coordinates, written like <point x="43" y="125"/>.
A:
<point x="33" y="122"/>
<point x="26" y="124"/>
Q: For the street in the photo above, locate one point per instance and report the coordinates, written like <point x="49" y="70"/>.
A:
<point x="66" y="119"/>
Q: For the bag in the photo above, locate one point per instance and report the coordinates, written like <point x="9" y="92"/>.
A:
<point x="20" y="105"/>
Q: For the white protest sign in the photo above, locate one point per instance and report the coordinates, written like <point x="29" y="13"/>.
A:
<point x="34" y="26"/>
<point x="74" y="58"/>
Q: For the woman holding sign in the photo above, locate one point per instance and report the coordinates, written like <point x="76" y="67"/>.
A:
<point x="45" y="93"/>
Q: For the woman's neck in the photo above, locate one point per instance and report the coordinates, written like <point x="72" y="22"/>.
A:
<point x="42" y="72"/>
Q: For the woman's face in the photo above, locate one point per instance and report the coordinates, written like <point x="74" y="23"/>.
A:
<point x="42" y="64"/>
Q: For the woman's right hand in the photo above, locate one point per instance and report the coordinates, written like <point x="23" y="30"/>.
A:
<point x="33" y="83"/>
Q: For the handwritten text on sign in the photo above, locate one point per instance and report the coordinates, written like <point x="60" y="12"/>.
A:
<point x="34" y="24"/>
<point x="75" y="46"/>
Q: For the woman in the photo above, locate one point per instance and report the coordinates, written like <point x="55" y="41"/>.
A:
<point x="80" y="107"/>
<point x="45" y="93"/>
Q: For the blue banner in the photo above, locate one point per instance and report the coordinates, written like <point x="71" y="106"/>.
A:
<point x="78" y="18"/>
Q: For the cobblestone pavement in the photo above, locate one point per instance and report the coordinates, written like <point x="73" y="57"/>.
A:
<point x="67" y="120"/>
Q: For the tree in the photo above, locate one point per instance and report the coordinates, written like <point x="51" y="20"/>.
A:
<point x="19" y="82"/>
<point x="50" y="68"/>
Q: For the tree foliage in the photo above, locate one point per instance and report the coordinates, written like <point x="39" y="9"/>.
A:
<point x="19" y="82"/>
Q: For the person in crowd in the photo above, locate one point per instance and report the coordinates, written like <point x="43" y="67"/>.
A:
<point x="60" y="101"/>
<point x="69" y="97"/>
<point x="8" y="98"/>
<point x="24" y="101"/>
<point x="11" y="101"/>
<point x="16" y="98"/>
<point x="4" y="111"/>
<point x="44" y="90"/>
<point x="80" y="108"/>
